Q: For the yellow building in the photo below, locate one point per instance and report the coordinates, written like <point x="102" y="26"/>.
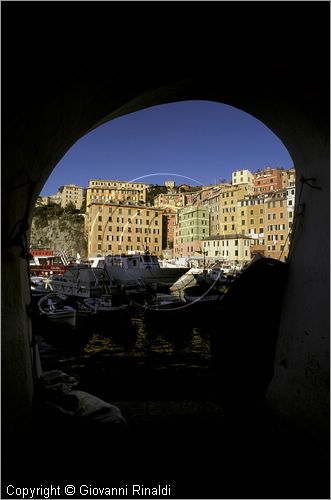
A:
<point x="212" y="203"/>
<point x="71" y="193"/>
<point x="115" y="228"/>
<point x="228" y="211"/>
<point x="107" y="191"/>
<point x="169" y="200"/>
<point x="251" y="220"/>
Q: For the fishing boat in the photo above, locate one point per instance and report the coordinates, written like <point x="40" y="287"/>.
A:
<point x="164" y="302"/>
<point x="202" y="295"/>
<point x="107" y="304"/>
<point x="140" y="268"/>
<point x="53" y="307"/>
<point x="213" y="276"/>
<point x="39" y="286"/>
<point x="83" y="282"/>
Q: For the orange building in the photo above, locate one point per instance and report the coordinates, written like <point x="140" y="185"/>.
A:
<point x="268" y="180"/>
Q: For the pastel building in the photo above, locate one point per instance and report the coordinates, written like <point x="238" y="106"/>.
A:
<point x="168" y="228"/>
<point x="277" y="225"/>
<point x="108" y="191"/>
<point x="70" y="193"/>
<point x="228" y="210"/>
<point x="243" y="177"/>
<point x="269" y="179"/>
<point x="229" y="248"/>
<point x="192" y="225"/>
<point x="123" y="228"/>
<point x="169" y="200"/>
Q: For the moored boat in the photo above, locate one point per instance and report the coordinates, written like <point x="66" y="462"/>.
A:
<point x="145" y="268"/>
<point x="107" y="304"/>
<point x="53" y="307"/>
<point x="83" y="281"/>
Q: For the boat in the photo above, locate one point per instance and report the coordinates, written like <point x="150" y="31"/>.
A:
<point x="108" y="303"/>
<point x="197" y="294"/>
<point x="39" y="286"/>
<point x="44" y="262"/>
<point x="53" y="307"/>
<point x="213" y="276"/>
<point x="164" y="302"/>
<point x="137" y="268"/>
<point x="82" y="281"/>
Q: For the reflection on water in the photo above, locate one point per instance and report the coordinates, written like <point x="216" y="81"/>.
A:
<point x="136" y="354"/>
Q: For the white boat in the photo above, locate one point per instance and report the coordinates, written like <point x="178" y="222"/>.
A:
<point x="83" y="281"/>
<point x="106" y="304"/>
<point x="189" y="278"/>
<point x="137" y="268"/>
<point x="201" y="295"/>
<point x="212" y="276"/>
<point x="39" y="286"/>
<point x="53" y="307"/>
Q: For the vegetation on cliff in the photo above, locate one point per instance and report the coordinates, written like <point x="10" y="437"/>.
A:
<point x="61" y="229"/>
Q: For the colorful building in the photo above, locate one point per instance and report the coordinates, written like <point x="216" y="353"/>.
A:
<point x="123" y="228"/>
<point x="71" y="193"/>
<point x="108" y="191"/>
<point x="231" y="248"/>
<point x="192" y="225"/>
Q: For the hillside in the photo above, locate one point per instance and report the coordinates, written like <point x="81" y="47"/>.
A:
<point x="59" y="229"/>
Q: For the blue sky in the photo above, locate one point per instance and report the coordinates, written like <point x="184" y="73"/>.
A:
<point x="193" y="142"/>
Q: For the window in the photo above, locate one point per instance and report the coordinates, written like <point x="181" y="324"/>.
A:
<point x="99" y="237"/>
<point x="99" y="228"/>
<point x="100" y="218"/>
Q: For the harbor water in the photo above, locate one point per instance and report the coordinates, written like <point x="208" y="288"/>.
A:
<point x="162" y="356"/>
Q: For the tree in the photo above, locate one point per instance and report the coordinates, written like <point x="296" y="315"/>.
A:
<point x="70" y="208"/>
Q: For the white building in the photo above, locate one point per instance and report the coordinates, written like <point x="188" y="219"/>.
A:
<point x="229" y="248"/>
<point x="243" y="177"/>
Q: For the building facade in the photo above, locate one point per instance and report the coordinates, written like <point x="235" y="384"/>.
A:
<point x="169" y="200"/>
<point x="192" y="225"/>
<point x="243" y="177"/>
<point x="231" y="248"/>
<point x="108" y="191"/>
<point x="269" y="179"/>
<point x="168" y="228"/>
<point x="71" y="193"/>
<point x="277" y="225"/>
<point x="115" y="228"/>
